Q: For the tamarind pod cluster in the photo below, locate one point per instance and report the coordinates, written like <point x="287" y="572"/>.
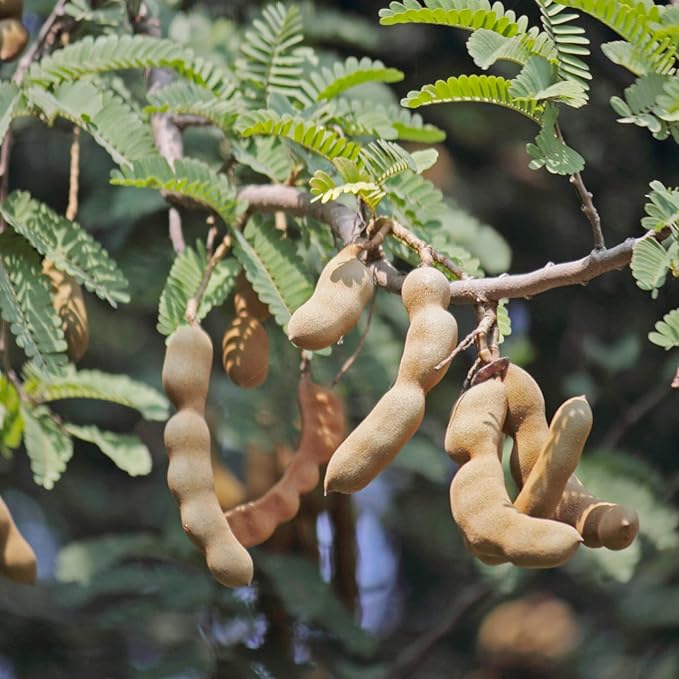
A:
<point x="601" y="524"/>
<point x="13" y="34"/>
<point x="431" y="337"/>
<point x="245" y="345"/>
<point x="186" y="378"/>
<point x="69" y="303"/>
<point x="323" y="428"/>
<point x="343" y="289"/>
<point x="494" y="530"/>
<point x="17" y="558"/>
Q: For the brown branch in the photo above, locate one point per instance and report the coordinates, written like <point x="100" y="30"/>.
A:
<point x="484" y="326"/>
<point x="74" y="176"/>
<point x="589" y="210"/>
<point x="342" y="219"/>
<point x="346" y="366"/>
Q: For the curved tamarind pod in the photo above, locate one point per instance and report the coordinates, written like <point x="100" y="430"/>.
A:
<point x="431" y="337"/>
<point x="323" y="428"/>
<point x="17" y="558"/>
<point x="186" y="378"/>
<point x="69" y="303"/>
<point x="245" y="300"/>
<point x="11" y="9"/>
<point x="343" y="289"/>
<point x="527" y="425"/>
<point x="493" y="528"/>
<point x="245" y="352"/>
<point x="568" y="432"/>
<point x="13" y="39"/>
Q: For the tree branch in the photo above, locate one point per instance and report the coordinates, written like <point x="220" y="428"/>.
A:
<point x="343" y="221"/>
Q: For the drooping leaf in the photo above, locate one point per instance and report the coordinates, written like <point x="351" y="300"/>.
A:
<point x="127" y="452"/>
<point x="550" y="150"/>
<point x="11" y="422"/>
<point x="26" y="303"/>
<point x="666" y="332"/>
<point x="98" y="385"/>
<point x="504" y="321"/>
<point x="48" y="446"/>
<point x="488" y="47"/>
<point x="539" y="81"/>
<point x="663" y="209"/>
<point x="632" y="57"/>
<point x="67" y="245"/>
<point x="182" y="284"/>
<point x="10" y="97"/>
<point x="649" y="265"/>
<point x="330" y="82"/>
<point x="273" y="267"/>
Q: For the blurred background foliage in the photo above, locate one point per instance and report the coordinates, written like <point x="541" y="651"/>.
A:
<point x="379" y="585"/>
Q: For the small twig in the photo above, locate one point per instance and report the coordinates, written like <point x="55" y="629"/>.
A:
<point x="413" y="654"/>
<point x="346" y="366"/>
<point x="485" y="324"/>
<point x="74" y="176"/>
<point x="487" y="316"/>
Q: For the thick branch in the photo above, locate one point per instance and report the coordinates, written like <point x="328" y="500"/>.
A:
<point x="342" y="219"/>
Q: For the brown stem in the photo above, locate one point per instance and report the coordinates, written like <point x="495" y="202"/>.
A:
<point x="484" y="326"/>
<point x="589" y="210"/>
<point x="346" y="366"/>
<point x="74" y="176"/>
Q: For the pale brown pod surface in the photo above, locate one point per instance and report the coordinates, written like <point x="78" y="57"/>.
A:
<point x="11" y="9"/>
<point x="323" y="428"/>
<point x="343" y="289"/>
<point x="245" y="300"/>
<point x="245" y="352"/>
<point x="17" y="558"/>
<point x="13" y="39"/>
<point x="69" y="303"/>
<point x="431" y="337"/>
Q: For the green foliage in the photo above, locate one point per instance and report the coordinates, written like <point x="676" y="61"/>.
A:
<point x="273" y="267"/>
<point x="11" y="423"/>
<point x="48" y="446"/>
<point x="182" y="284"/>
<point x="666" y="333"/>
<point x="119" y="52"/>
<point x="343" y="76"/>
<point x="551" y="151"/>
<point x="121" y="389"/>
<point x="67" y="245"/>
<point x="504" y="321"/>
<point x="650" y="264"/>
<point x="663" y="210"/>
<point x="10" y="98"/>
<point x="127" y="452"/>
<point x="538" y="81"/>
<point x="26" y="303"/>
<point x="487" y="47"/>
<point x="487" y="89"/>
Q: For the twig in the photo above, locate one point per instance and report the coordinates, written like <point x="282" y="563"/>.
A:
<point x="413" y="654"/>
<point x="346" y="366"/>
<point x="589" y="210"/>
<point x="484" y="326"/>
<point x="74" y="176"/>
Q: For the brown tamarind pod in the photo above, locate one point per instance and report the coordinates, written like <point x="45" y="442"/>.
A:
<point x="228" y="488"/>
<point x="493" y="528"/>
<point x="431" y="337"/>
<point x="11" y="9"/>
<point x="245" y="352"/>
<point x="323" y="428"/>
<point x="17" y="558"/>
<point x="69" y="303"/>
<point x="560" y="454"/>
<point x="13" y="39"/>
<point x="245" y="300"/>
<point x="343" y="289"/>
<point x="527" y="425"/>
<point x="186" y="378"/>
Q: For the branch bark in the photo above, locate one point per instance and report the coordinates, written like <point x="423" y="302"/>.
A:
<point x="344" y="222"/>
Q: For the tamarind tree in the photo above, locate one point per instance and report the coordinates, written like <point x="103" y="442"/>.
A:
<point x="250" y="170"/>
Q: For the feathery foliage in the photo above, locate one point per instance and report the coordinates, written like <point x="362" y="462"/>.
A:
<point x="666" y="332"/>
<point x="650" y="264"/>
<point x="10" y="97"/>
<point x="11" y="422"/>
<point x="663" y="209"/>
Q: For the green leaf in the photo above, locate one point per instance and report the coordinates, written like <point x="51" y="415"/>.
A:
<point x="551" y="152"/>
<point x="94" y="384"/>
<point x="67" y="245"/>
<point x="631" y="57"/>
<point x="663" y="210"/>
<point x="504" y="322"/>
<point x="487" y="89"/>
<point x="120" y="52"/>
<point x="183" y="281"/>
<point x="640" y="106"/>
<point x="466" y="14"/>
<point x="538" y="81"/>
<point x="11" y="422"/>
<point x="343" y="76"/>
<point x="10" y="97"/>
<point x="48" y="446"/>
<point x="424" y="159"/>
<point x="127" y="452"/>
<point x="488" y="47"/>
<point x="666" y="333"/>
<point x="26" y="303"/>
<point x="273" y="267"/>
<point x="649" y="265"/>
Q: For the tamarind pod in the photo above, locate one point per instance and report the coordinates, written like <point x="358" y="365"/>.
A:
<point x="568" y="432"/>
<point x="527" y="424"/>
<point x="602" y="524"/>
<point x="343" y="289"/>
<point x="431" y="337"/>
<point x="323" y="428"/>
<point x="228" y="488"/>
<point x="69" y="303"/>
<point x="492" y="526"/>
<point x="187" y="367"/>
<point x="246" y="302"/>
<point x="245" y="352"/>
<point x="11" y="9"/>
<point x="190" y="479"/>
<point x="13" y="39"/>
<point x="17" y="558"/>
